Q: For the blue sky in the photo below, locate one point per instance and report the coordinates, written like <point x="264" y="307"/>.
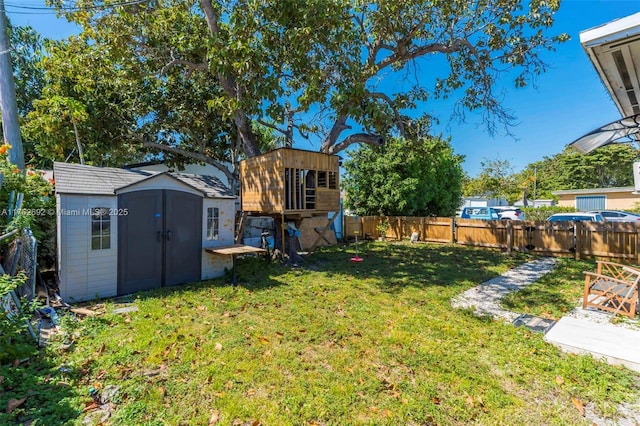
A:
<point x="568" y="101"/>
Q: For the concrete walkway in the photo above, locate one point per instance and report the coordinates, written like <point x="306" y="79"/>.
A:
<point x="485" y="298"/>
<point x="581" y="331"/>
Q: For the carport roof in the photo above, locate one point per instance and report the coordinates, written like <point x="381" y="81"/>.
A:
<point x="90" y="180"/>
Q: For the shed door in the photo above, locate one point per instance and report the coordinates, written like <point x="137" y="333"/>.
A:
<point x="590" y="202"/>
<point x="159" y="239"/>
<point x="183" y="240"/>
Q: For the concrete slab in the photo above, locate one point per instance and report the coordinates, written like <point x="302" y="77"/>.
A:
<point x="617" y="345"/>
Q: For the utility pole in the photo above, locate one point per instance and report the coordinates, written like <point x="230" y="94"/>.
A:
<point x="8" y="104"/>
<point x="535" y="181"/>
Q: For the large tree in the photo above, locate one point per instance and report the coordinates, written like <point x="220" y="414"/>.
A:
<point x="404" y="178"/>
<point x="317" y="68"/>
<point x="495" y="180"/>
<point x="606" y="167"/>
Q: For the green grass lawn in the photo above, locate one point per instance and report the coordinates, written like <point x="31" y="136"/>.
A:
<point x="328" y="343"/>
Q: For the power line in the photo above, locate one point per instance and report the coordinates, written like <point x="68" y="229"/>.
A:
<point x="43" y="10"/>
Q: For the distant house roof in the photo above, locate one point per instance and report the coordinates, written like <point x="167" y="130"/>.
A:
<point x="81" y="179"/>
<point x="593" y="191"/>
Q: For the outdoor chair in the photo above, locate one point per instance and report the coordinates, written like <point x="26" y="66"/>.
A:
<point x="613" y="288"/>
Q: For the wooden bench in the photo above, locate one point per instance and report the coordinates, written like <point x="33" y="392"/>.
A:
<point x="613" y="288"/>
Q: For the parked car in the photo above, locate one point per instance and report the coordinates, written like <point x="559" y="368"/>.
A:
<point x="484" y="213"/>
<point x="617" y="215"/>
<point x="576" y="217"/>
<point x="510" y="213"/>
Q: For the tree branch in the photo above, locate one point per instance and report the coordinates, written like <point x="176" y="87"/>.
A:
<point x="338" y="127"/>
<point x="232" y="88"/>
<point x="367" y="138"/>
<point x="389" y="101"/>
<point x="418" y="52"/>
<point x="193" y="155"/>
<point x="191" y="66"/>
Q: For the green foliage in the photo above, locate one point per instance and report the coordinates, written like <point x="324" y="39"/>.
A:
<point x="543" y="212"/>
<point x="607" y="167"/>
<point x="14" y="340"/>
<point x="194" y="77"/>
<point x="383" y="227"/>
<point x="404" y="178"/>
<point x="38" y="206"/>
<point x="27" y="49"/>
<point x="494" y="181"/>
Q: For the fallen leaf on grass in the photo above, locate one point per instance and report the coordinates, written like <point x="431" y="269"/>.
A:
<point x="101" y="349"/>
<point x="436" y="400"/>
<point x="386" y="412"/>
<point x="215" y="416"/>
<point x="218" y="347"/>
<point x="15" y="403"/>
<point x="559" y="380"/>
<point x="263" y="340"/>
<point x="162" y="391"/>
<point x="578" y="404"/>
<point x="90" y="406"/>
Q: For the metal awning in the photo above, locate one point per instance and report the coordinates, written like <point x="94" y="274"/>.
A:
<point x="609" y="133"/>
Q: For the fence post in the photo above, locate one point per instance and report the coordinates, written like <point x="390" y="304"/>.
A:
<point x="423" y="233"/>
<point x="509" y="237"/>
<point x="577" y="237"/>
<point x="453" y="231"/>
<point x="637" y="245"/>
<point x="400" y="226"/>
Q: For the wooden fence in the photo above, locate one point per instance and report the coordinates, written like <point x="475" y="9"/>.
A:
<point x="579" y="240"/>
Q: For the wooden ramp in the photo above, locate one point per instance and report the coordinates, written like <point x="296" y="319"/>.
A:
<point x="616" y="344"/>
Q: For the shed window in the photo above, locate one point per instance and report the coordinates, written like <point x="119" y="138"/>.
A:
<point x="213" y="223"/>
<point x="100" y="228"/>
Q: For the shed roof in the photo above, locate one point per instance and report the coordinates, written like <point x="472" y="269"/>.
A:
<point x="82" y="179"/>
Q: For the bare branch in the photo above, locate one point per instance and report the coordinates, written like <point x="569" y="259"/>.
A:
<point x="271" y="126"/>
<point x="418" y="52"/>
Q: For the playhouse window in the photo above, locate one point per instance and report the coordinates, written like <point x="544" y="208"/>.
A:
<point x="100" y="228"/>
<point x="333" y="180"/>
<point x="213" y="223"/>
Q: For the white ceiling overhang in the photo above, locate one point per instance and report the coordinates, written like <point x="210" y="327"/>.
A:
<point x="614" y="50"/>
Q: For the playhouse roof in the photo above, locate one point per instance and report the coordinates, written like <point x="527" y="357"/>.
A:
<point x="81" y="179"/>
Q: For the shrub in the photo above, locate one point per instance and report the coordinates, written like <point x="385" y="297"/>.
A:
<point x="15" y="343"/>
<point x="542" y="213"/>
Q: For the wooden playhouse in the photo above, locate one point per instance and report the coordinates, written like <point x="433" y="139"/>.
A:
<point x="293" y="186"/>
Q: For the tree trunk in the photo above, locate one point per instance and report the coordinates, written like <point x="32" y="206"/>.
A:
<point x="290" y="244"/>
